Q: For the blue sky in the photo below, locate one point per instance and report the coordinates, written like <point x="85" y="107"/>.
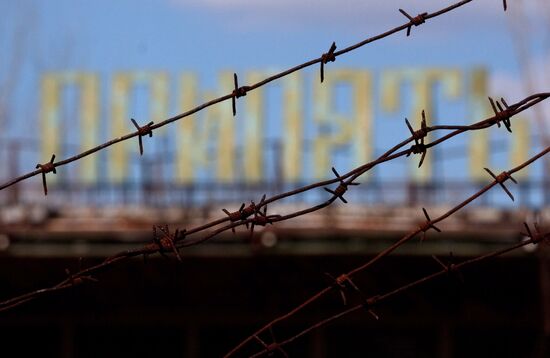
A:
<point x="208" y="36"/>
<point x="213" y="34"/>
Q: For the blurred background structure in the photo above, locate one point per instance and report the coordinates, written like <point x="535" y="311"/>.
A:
<point x="73" y="73"/>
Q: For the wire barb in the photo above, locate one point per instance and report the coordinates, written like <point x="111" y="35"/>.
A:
<point x="237" y="93"/>
<point x="143" y="131"/>
<point x="450" y="267"/>
<point x="243" y="213"/>
<point x="261" y="218"/>
<point x="46" y="168"/>
<point x="418" y="147"/>
<point x="501" y="178"/>
<point x="536" y="235"/>
<point x="416" y="21"/>
<point x="427" y="225"/>
<point x="341" y="189"/>
<point x="501" y="114"/>
<point x="272" y="347"/>
<point x="326" y="58"/>
<point x="166" y="241"/>
<point x="369" y="303"/>
<point x="76" y="279"/>
<point x="344" y="283"/>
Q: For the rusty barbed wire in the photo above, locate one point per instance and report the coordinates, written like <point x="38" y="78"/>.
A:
<point x="419" y="135"/>
<point x="447" y="269"/>
<point x="430" y="223"/>
<point x="44" y="169"/>
<point x="501" y="178"/>
<point x="256" y="214"/>
<point x="427" y="225"/>
<point x="142" y="132"/>
<point x="416" y="21"/>
<point x="165" y="242"/>
<point x="238" y="92"/>
<point x="326" y="58"/>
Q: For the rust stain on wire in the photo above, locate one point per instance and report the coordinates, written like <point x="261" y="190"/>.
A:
<point x="414" y="21"/>
<point x="261" y="218"/>
<point x="165" y="241"/>
<point x="44" y="169"/>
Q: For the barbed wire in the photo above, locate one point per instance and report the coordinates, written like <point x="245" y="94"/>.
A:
<point x="239" y="91"/>
<point x="253" y="215"/>
<point x="429" y="224"/>
<point x="368" y="303"/>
